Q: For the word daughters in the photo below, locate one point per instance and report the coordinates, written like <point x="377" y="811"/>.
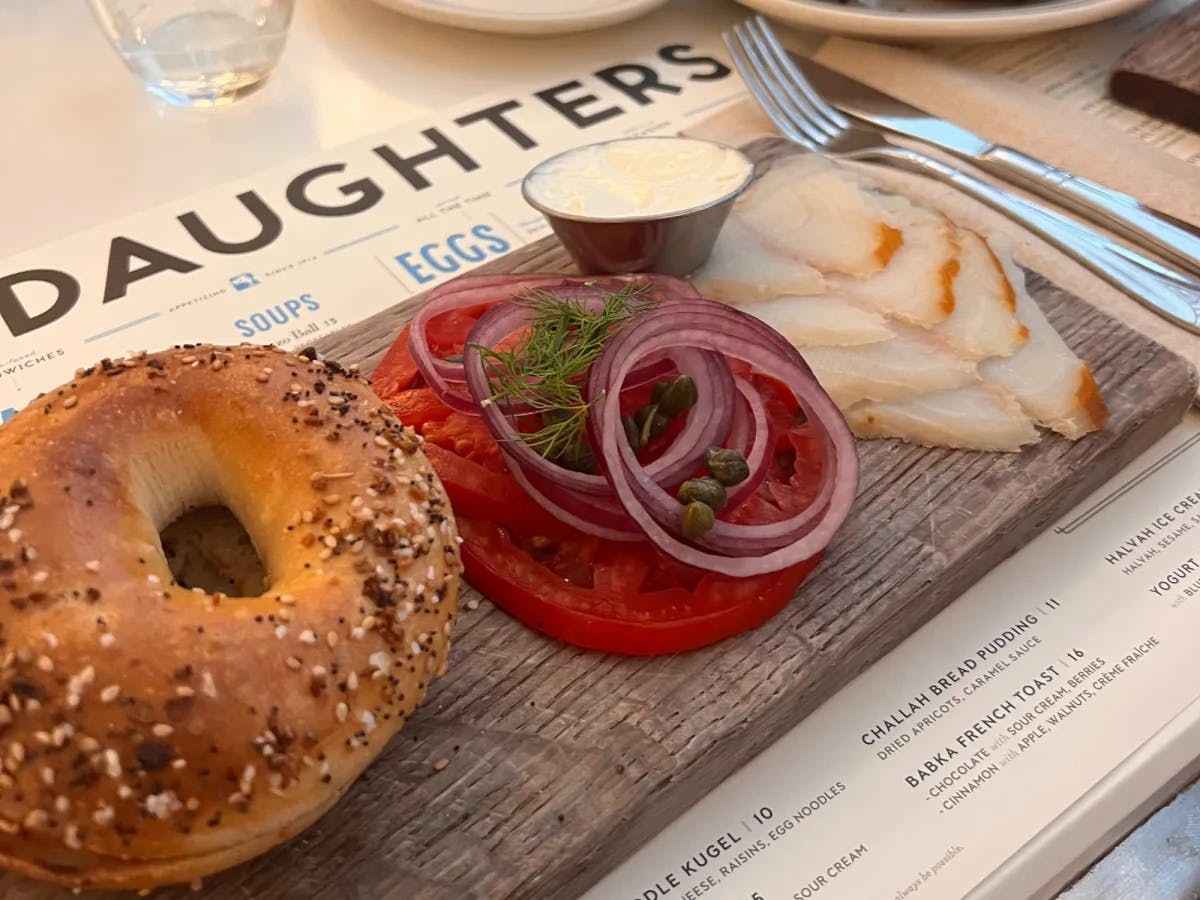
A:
<point x="51" y="293"/>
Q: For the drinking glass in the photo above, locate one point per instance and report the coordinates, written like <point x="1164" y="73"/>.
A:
<point x="197" y="52"/>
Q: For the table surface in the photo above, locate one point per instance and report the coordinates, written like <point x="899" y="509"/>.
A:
<point x="1157" y="861"/>
<point x="83" y="145"/>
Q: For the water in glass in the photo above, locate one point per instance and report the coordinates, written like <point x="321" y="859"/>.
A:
<point x="197" y="52"/>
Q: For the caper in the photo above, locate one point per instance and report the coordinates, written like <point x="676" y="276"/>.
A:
<point x="660" y="388"/>
<point x="679" y="394"/>
<point x="578" y="456"/>
<point x="704" y="490"/>
<point x="454" y="358"/>
<point x="697" y="519"/>
<point x="654" y="427"/>
<point x="651" y="423"/>
<point x="727" y="466"/>
<point x="631" y="432"/>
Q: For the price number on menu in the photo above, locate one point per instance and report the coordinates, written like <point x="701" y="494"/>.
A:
<point x="762" y="816"/>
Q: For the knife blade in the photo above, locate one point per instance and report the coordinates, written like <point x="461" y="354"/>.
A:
<point x="1171" y="238"/>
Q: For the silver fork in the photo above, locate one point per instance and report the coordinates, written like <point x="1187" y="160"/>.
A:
<point x="804" y="117"/>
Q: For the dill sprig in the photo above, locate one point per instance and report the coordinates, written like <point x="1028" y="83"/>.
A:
<point x="544" y="371"/>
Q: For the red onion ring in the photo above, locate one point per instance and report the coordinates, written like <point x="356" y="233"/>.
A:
<point x="494" y="325"/>
<point x="445" y="377"/>
<point x="599" y="516"/>
<point x="725" y="540"/>
<point x="628" y="501"/>
<point x="441" y="374"/>
<point x="586" y="501"/>
<point x="739" y="550"/>
<point x="660" y="331"/>
<point x="744" y="425"/>
<point x="707" y="421"/>
<point x="754" y="443"/>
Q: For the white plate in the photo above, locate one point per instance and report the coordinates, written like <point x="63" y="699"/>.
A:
<point x="525" y="16"/>
<point x="941" y="20"/>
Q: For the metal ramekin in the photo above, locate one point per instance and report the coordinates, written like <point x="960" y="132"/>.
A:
<point x="675" y="243"/>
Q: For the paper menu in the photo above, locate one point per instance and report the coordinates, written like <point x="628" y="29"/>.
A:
<point x="294" y="253"/>
<point x="940" y="762"/>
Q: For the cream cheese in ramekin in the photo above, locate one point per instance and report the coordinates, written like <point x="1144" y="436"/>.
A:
<point x="637" y="177"/>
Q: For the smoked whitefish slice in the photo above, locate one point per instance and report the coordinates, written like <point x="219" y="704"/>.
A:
<point x="807" y="208"/>
<point x="1054" y="386"/>
<point x="984" y="322"/>
<point x="907" y="365"/>
<point x="741" y="269"/>
<point x="917" y="328"/>
<point x="822" y="321"/>
<point x="977" y="417"/>
<point x="916" y="286"/>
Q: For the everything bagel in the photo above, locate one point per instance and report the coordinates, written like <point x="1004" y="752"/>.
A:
<point x="151" y="732"/>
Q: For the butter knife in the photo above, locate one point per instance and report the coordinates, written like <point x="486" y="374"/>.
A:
<point x="1171" y="238"/>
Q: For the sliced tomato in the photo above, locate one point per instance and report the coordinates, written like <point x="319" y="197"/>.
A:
<point x="465" y="455"/>
<point x="447" y="335"/>
<point x="397" y="371"/>
<point x="622" y="597"/>
<point x="638" y="601"/>
<point x="416" y="406"/>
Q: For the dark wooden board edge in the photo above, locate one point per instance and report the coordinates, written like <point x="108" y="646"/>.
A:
<point x="1160" y="74"/>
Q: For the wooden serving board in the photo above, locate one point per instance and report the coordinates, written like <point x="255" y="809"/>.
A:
<point x="562" y="762"/>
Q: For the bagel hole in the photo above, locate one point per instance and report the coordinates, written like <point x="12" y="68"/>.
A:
<point x="208" y="548"/>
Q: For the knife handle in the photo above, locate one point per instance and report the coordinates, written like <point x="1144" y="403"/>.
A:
<point x="1172" y="295"/>
<point x="1173" y="239"/>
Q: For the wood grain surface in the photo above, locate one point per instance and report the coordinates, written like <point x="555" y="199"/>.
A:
<point x="562" y="762"/>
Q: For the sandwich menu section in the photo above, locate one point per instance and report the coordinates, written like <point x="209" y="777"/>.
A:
<point x="927" y="773"/>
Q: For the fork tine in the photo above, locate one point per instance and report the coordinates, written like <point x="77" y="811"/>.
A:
<point x="762" y="88"/>
<point x="794" y="105"/>
<point x="799" y="87"/>
<point x="773" y="83"/>
<point x="776" y="82"/>
<point x="757" y="82"/>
